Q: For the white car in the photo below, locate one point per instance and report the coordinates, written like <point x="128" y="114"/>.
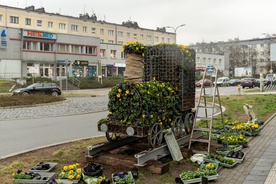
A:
<point x="223" y="81"/>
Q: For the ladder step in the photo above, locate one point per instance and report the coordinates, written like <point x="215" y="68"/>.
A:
<point x="204" y="118"/>
<point x="200" y="140"/>
<point x="200" y="152"/>
<point x="209" y="96"/>
<point x="203" y="129"/>
<point x="201" y="106"/>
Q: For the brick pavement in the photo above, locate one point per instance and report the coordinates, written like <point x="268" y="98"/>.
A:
<point x="259" y="158"/>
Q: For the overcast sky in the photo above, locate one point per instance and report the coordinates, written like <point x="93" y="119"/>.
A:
<point x="206" y="20"/>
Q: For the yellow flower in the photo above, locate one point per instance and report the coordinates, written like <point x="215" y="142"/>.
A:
<point x="78" y="170"/>
<point x="119" y="90"/>
<point x="161" y="123"/>
<point x="63" y="173"/>
<point x="78" y="176"/>
<point x="127" y="91"/>
<point x="65" y="168"/>
<point x="153" y="78"/>
<point x="118" y="95"/>
<point x="71" y="172"/>
<point x="70" y="177"/>
<point x="143" y="116"/>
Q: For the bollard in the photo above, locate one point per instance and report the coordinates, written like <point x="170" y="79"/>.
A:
<point x="239" y="89"/>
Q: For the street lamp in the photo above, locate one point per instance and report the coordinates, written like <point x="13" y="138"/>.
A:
<point x="175" y="29"/>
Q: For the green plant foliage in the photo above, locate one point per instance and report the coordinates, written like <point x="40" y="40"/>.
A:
<point x="143" y="104"/>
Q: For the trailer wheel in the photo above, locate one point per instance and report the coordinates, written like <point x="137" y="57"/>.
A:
<point x="178" y="127"/>
<point x="111" y="137"/>
<point x="155" y="136"/>
<point x="188" y="122"/>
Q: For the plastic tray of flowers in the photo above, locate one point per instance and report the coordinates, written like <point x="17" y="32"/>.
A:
<point x="123" y="177"/>
<point x="44" y="178"/>
<point x="216" y="164"/>
<point x="236" y="159"/>
<point x="252" y="133"/>
<point x="230" y="148"/>
<point x="228" y="165"/>
<point x="43" y="167"/>
<point x="198" y="180"/>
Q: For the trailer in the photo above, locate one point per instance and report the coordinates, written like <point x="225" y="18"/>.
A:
<point x="164" y="100"/>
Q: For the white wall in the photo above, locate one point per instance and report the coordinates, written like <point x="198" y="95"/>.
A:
<point x="10" y="69"/>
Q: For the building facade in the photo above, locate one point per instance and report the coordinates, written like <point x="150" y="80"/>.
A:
<point x="48" y="44"/>
<point x="253" y="54"/>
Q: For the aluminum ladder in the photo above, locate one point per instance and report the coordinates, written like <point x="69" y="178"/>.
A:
<point x="203" y="105"/>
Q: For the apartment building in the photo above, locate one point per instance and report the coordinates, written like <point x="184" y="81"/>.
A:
<point x="254" y="53"/>
<point x="48" y="44"/>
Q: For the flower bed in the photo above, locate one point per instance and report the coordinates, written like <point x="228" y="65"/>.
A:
<point x="143" y="104"/>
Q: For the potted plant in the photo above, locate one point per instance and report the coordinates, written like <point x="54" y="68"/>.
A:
<point x="123" y="178"/>
<point x="71" y="173"/>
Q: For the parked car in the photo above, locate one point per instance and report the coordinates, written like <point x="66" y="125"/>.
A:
<point x="44" y="87"/>
<point x="234" y="82"/>
<point x="249" y="82"/>
<point x="223" y="81"/>
<point x="270" y="78"/>
<point x="207" y="82"/>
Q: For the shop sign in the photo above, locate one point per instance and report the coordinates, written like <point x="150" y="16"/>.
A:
<point x="81" y="62"/>
<point x="4" y="43"/>
<point x="62" y="62"/>
<point x="39" y="34"/>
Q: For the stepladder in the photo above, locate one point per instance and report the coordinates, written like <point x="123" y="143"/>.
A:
<point x="208" y="107"/>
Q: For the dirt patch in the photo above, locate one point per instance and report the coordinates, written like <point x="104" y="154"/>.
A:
<point x="117" y="160"/>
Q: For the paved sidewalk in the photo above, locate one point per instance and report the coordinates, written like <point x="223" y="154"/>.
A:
<point x="257" y="168"/>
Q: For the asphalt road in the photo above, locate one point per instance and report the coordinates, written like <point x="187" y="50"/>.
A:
<point x="19" y="136"/>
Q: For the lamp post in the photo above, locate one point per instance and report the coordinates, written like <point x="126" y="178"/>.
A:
<point x="175" y="29"/>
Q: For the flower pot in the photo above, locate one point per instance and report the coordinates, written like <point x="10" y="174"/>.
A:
<point x="43" y="167"/>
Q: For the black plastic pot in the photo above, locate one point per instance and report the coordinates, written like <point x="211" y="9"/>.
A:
<point x="93" y="169"/>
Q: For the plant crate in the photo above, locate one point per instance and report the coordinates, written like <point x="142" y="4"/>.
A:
<point x="198" y="180"/>
<point x="129" y="173"/>
<point x="50" y="167"/>
<point x="45" y="178"/>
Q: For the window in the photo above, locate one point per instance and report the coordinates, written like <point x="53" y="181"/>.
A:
<point x="27" y="21"/>
<point x="50" y="24"/>
<point x="39" y="22"/>
<point x="163" y="40"/>
<point x="113" y="53"/>
<point x="102" y="53"/>
<point x="168" y="40"/>
<point x="93" y="30"/>
<point x="111" y="41"/>
<point x="120" y="42"/>
<point x="215" y="60"/>
<point x="1" y="18"/>
<point x="141" y="37"/>
<point x="74" y="27"/>
<point x="62" y="26"/>
<point x="134" y="36"/>
<point x="220" y="61"/>
<point x="198" y="59"/>
<point x="123" y="55"/>
<point x="101" y="41"/>
<point x="128" y="35"/>
<point x="84" y="29"/>
<point x="209" y="60"/>
<point x="46" y="47"/>
<point x="156" y="39"/>
<point x="120" y="34"/>
<point x="27" y="45"/>
<point x="148" y="37"/>
<point x="90" y="50"/>
<point x="76" y="49"/>
<point x="62" y="48"/>
<point x="102" y="31"/>
<point x="204" y="60"/>
<point x="14" y="20"/>
<point x="110" y="33"/>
